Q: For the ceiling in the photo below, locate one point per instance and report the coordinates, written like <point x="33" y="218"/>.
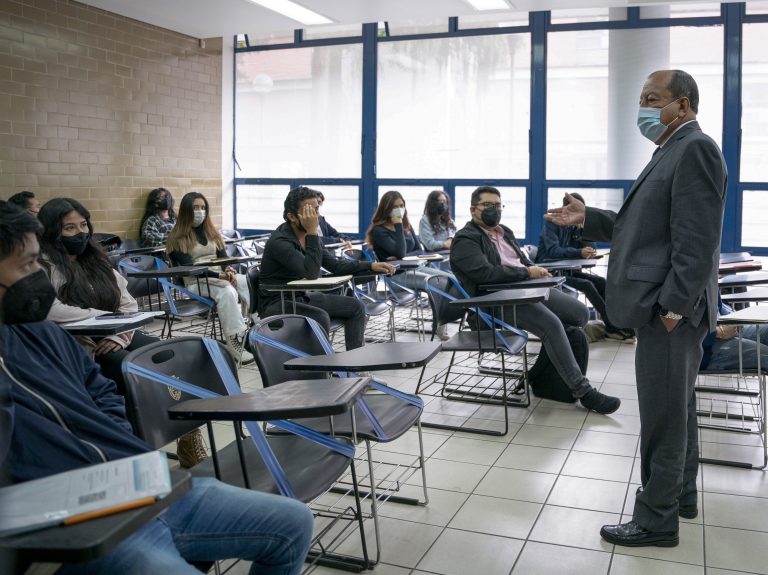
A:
<point x="214" y="18"/>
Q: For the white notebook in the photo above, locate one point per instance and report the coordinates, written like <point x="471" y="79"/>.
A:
<point x="84" y="493"/>
<point x="322" y="281"/>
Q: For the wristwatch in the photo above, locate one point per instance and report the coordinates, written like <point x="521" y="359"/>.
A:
<point x="670" y="314"/>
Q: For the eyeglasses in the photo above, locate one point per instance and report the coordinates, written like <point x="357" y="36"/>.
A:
<point x="498" y="206"/>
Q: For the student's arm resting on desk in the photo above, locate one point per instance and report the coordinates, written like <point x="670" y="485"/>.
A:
<point x="342" y="266"/>
<point x="468" y="256"/>
<point x="182" y="259"/>
<point x="550" y="248"/>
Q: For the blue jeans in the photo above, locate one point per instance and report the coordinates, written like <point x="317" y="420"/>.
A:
<point x="213" y="521"/>
<point x="725" y="352"/>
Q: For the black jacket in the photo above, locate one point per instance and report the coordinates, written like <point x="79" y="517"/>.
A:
<point x="475" y="260"/>
<point x="285" y="260"/>
<point x="330" y="234"/>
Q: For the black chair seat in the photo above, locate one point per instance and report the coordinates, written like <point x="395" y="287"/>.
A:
<point x="467" y="341"/>
<point x="310" y="468"/>
<point x="395" y="417"/>
<point x="187" y="308"/>
<point x="377" y="308"/>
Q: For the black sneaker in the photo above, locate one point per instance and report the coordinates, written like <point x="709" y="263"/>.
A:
<point x="601" y="403"/>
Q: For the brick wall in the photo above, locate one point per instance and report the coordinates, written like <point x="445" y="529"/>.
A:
<point x="102" y="108"/>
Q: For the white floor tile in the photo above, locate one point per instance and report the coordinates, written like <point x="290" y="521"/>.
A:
<point x="546" y="559"/>
<point x="737" y="549"/>
<point x="495" y="516"/>
<point x="452" y="475"/>
<point x="573" y="527"/>
<point x="592" y="494"/>
<point x="516" y="484"/>
<point x="461" y="552"/>
<point x="598" y="466"/>
<point x="571" y="418"/>
<point x="627" y="565"/>
<point x="529" y="458"/>
<point x="469" y="451"/>
<point x="735" y="511"/>
<point x="606" y="443"/>
<point x="544" y="436"/>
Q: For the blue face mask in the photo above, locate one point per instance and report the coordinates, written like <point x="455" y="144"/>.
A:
<point x="649" y="122"/>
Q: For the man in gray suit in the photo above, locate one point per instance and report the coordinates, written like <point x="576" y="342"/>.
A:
<point x="662" y="281"/>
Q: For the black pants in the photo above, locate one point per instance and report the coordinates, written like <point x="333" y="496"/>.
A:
<point x="112" y="363"/>
<point x="666" y="365"/>
<point x="323" y="308"/>
<point x="592" y="286"/>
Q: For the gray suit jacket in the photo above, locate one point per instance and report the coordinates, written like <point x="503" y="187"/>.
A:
<point x="666" y="237"/>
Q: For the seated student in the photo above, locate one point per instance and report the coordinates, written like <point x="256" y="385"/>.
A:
<point x="721" y="347"/>
<point x="485" y="252"/>
<point x="194" y="239"/>
<point x="59" y="413"/>
<point x="87" y="285"/>
<point x="561" y="243"/>
<point x="26" y="201"/>
<point x="294" y="252"/>
<point x="159" y="218"/>
<point x="327" y="233"/>
<point x="436" y="228"/>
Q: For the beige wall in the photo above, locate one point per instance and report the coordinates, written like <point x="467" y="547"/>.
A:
<point x="102" y="108"/>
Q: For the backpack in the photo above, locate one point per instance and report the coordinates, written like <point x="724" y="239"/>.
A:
<point x="543" y="378"/>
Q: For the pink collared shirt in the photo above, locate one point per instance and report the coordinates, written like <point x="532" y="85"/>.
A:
<point x="507" y="253"/>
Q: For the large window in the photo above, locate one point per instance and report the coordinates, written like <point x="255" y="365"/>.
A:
<point x="594" y="79"/>
<point x="454" y="107"/>
<point x="754" y="218"/>
<point x="299" y="112"/>
<point x="754" y="137"/>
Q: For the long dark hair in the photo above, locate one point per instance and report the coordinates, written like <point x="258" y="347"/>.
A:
<point x="151" y="207"/>
<point x="430" y="208"/>
<point x="89" y="280"/>
<point x="381" y="216"/>
<point x="182" y="237"/>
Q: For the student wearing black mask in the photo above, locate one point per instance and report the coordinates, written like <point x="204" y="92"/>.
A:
<point x="486" y="252"/>
<point x="159" y="218"/>
<point x="436" y="228"/>
<point x="86" y="285"/>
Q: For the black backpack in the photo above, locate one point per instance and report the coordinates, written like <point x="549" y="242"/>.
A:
<point x="543" y="378"/>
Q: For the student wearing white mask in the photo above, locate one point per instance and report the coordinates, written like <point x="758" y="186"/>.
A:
<point x="392" y="237"/>
<point x="195" y="239"/>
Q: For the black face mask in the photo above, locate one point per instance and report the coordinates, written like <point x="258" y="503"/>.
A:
<point x="440" y="209"/>
<point x="28" y="300"/>
<point x="491" y="217"/>
<point x="164" y="204"/>
<point x="75" y="245"/>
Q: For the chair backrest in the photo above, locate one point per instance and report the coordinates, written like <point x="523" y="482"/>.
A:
<point x="131" y="244"/>
<point x="138" y="287"/>
<point x="147" y="401"/>
<point x="108" y="241"/>
<point x="293" y="331"/>
<point x="253" y="274"/>
<point x="442" y="311"/>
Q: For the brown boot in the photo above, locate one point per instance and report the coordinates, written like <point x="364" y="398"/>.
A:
<point x="191" y="449"/>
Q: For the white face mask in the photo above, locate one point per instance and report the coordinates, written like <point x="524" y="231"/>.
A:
<point x="397" y="213"/>
<point x="198" y="217"/>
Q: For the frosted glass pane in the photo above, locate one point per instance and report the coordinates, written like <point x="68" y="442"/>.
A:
<point x="332" y="31"/>
<point x="342" y="207"/>
<point x="603" y="198"/>
<point x="454" y="107"/>
<point x="760" y="7"/>
<point x="588" y="15"/>
<point x="493" y="20"/>
<point x="299" y="112"/>
<point x="754" y="222"/>
<point x="682" y="10"/>
<point x="754" y="125"/>
<point x="260" y="207"/>
<point x="513" y="215"/>
<point x="594" y="79"/>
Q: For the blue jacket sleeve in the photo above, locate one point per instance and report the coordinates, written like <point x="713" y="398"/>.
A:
<point x="551" y="248"/>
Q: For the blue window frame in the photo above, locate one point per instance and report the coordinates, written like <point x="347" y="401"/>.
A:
<point x="537" y="186"/>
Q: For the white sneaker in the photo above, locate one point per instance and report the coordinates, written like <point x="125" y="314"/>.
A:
<point x="237" y="349"/>
<point x="442" y="332"/>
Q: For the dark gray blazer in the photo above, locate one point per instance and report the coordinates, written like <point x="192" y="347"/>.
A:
<point x="666" y="236"/>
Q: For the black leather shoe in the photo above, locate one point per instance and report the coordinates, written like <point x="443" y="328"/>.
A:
<point x="688" y="511"/>
<point x="632" y="535"/>
<point x="685" y="511"/>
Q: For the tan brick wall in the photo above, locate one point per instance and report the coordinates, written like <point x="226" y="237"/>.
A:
<point x="102" y="108"/>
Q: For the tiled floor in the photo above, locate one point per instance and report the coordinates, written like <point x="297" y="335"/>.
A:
<point x="532" y="502"/>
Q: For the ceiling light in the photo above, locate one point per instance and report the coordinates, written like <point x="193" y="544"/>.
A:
<point x="489" y="4"/>
<point x="294" y="11"/>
